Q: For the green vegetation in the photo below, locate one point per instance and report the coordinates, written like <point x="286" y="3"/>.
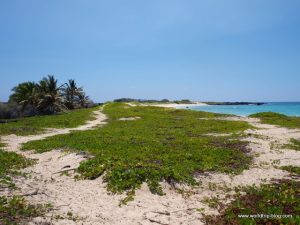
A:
<point x="33" y="125"/>
<point x="163" y="144"/>
<point x="294" y="170"/>
<point x="141" y="100"/>
<point x="294" y="144"/>
<point x="213" y="202"/>
<point x="74" y="96"/>
<point x="10" y="162"/>
<point x="280" y="198"/>
<point x="183" y="101"/>
<point x="234" y="103"/>
<point x="44" y="97"/>
<point x="278" y="119"/>
<point x="16" y="210"/>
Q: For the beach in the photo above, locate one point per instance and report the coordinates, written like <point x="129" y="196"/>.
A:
<point x="170" y="105"/>
<point x="286" y="108"/>
<point x="88" y="201"/>
<point x="150" y="112"/>
<point x="180" y="105"/>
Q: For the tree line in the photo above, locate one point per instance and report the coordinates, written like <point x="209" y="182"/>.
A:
<point x="44" y="97"/>
<point x="140" y="100"/>
<point x="183" y="101"/>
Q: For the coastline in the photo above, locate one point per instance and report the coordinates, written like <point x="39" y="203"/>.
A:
<point x="179" y="106"/>
<point x="287" y="109"/>
<point x="86" y="199"/>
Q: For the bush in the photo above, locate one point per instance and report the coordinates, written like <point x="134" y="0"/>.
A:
<point x="9" y="111"/>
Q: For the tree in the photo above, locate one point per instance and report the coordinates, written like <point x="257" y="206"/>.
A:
<point x="26" y="94"/>
<point x="50" y="97"/>
<point x="83" y="100"/>
<point x="71" y="93"/>
<point x="47" y="97"/>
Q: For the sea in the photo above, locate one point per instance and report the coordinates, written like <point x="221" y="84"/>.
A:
<point x="286" y="108"/>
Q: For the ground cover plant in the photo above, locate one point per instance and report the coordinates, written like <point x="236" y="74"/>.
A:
<point x="294" y="144"/>
<point x="161" y="144"/>
<point x="278" y="119"/>
<point x="279" y="198"/>
<point x="15" y="210"/>
<point x="294" y="170"/>
<point x="36" y="124"/>
<point x="10" y="162"/>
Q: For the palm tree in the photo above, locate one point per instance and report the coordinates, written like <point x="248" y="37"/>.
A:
<point x="50" y="100"/>
<point x="71" y="93"/>
<point x="26" y="94"/>
<point x="47" y="97"/>
<point x="83" y="100"/>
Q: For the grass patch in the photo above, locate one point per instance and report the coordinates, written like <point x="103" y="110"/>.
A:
<point x="294" y="170"/>
<point x="213" y="202"/>
<point x="163" y="145"/>
<point x="294" y="144"/>
<point x="280" y="198"/>
<point x="10" y="162"/>
<point x="278" y="119"/>
<point x="16" y="210"/>
<point x="36" y="124"/>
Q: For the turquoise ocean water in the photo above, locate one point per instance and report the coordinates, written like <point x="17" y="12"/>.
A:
<point x="287" y="108"/>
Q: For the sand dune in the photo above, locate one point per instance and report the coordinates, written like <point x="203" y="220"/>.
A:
<point x="88" y="202"/>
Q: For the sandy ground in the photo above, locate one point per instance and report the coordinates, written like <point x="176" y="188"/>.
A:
<point x="172" y="105"/>
<point x="87" y="201"/>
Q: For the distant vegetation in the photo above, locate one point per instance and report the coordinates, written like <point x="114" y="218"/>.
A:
<point x="234" y="103"/>
<point x="169" y="145"/>
<point x="44" y="97"/>
<point x="141" y="100"/>
<point x="278" y="119"/>
<point x="183" y="101"/>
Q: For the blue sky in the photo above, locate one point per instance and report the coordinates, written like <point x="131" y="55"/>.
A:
<point x="216" y="50"/>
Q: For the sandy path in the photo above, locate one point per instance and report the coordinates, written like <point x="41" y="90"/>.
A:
<point x="14" y="142"/>
<point x="87" y="201"/>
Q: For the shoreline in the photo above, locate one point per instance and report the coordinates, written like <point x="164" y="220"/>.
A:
<point x="179" y="106"/>
<point x="235" y="110"/>
<point x="187" y="106"/>
<point x="89" y="202"/>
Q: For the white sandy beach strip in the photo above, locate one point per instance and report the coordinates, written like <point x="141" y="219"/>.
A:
<point x="174" y="105"/>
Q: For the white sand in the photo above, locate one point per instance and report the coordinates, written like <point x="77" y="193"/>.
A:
<point x="90" y="204"/>
<point x="174" y="105"/>
<point x="169" y="105"/>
